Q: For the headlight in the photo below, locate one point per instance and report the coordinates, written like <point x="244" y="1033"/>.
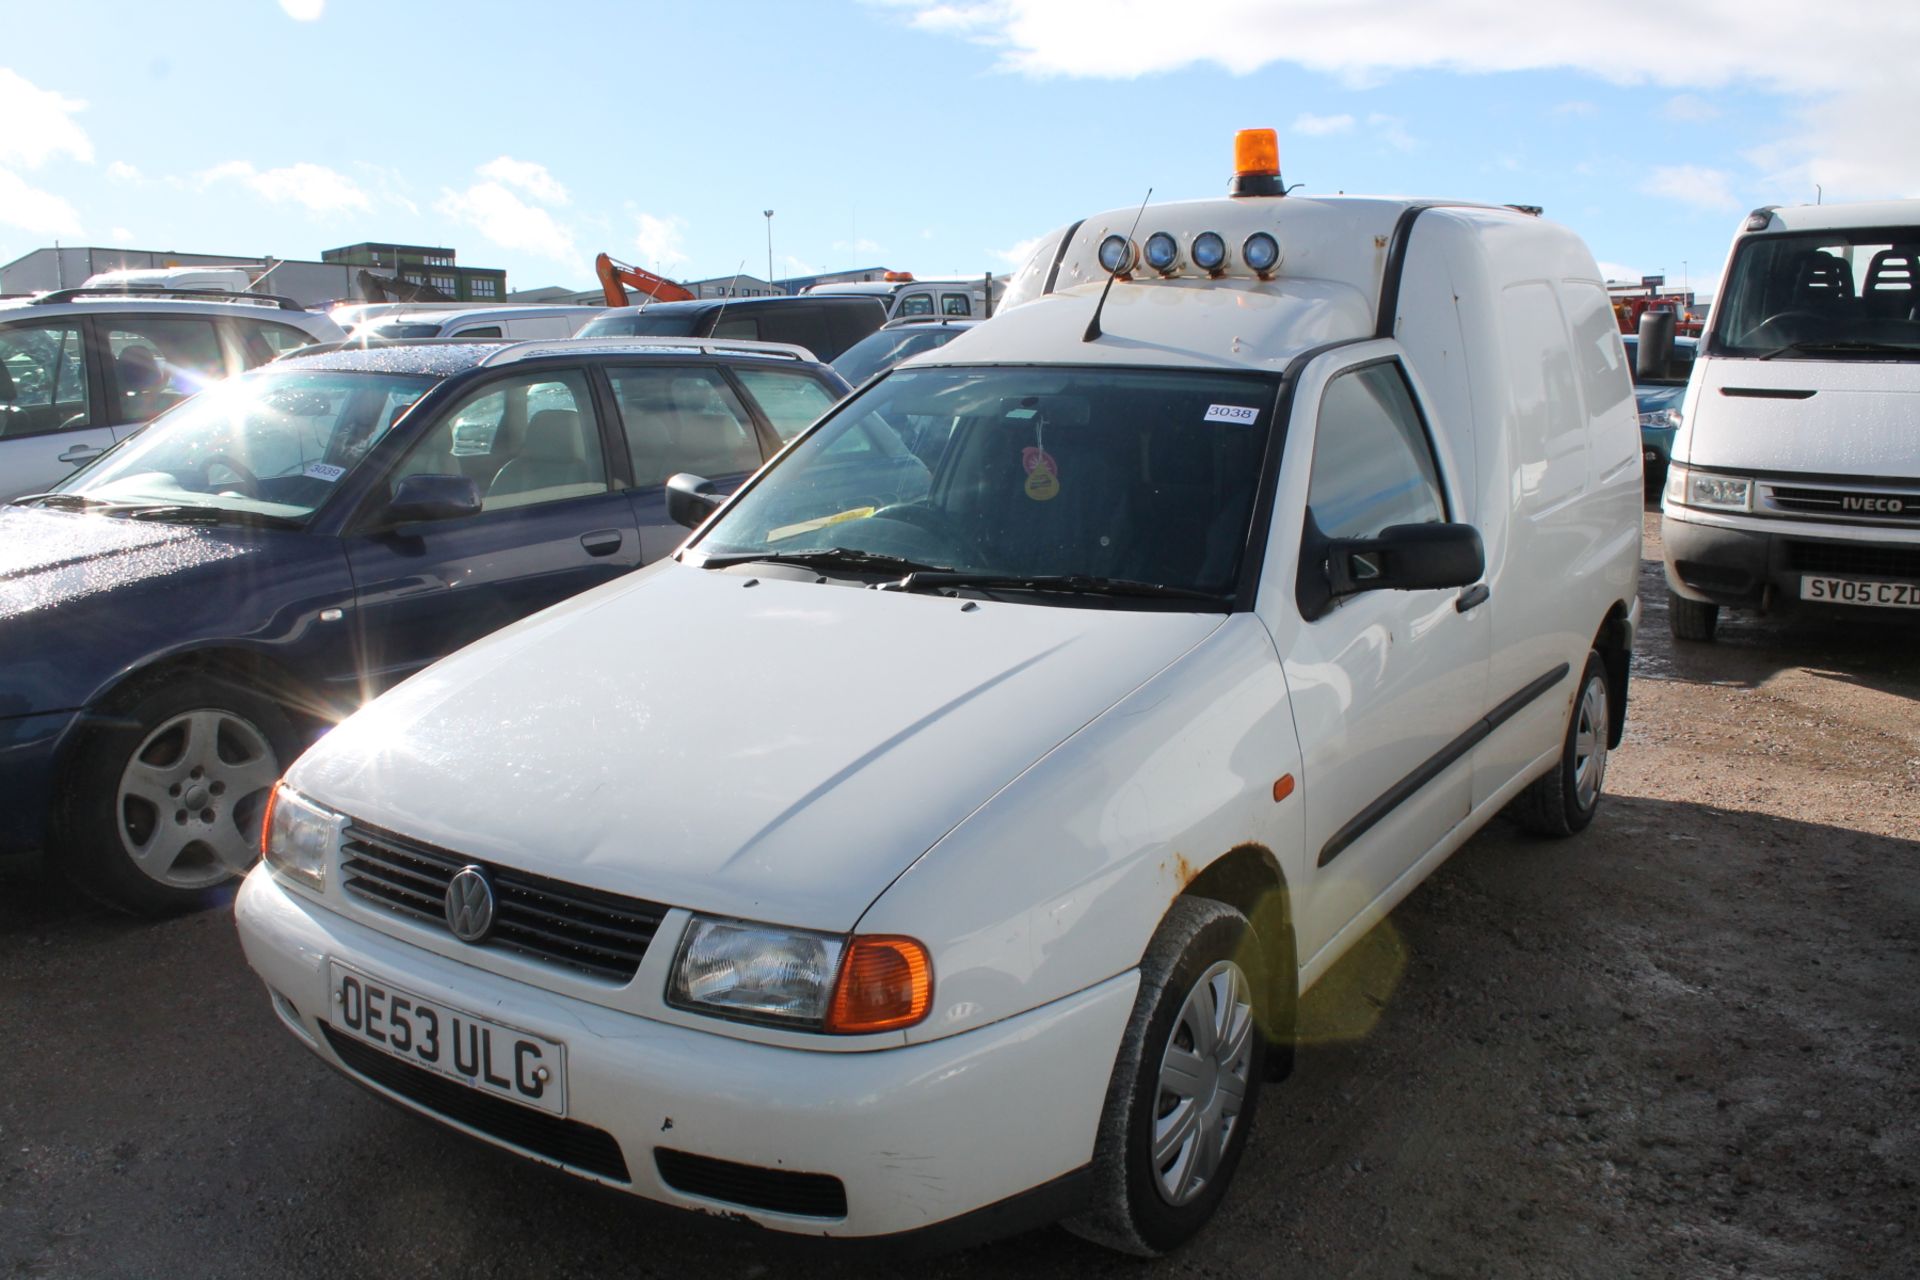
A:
<point x="1117" y="255"/>
<point x="801" y="979"/>
<point x="1661" y="418"/>
<point x="1689" y="488"/>
<point x="297" y="836"/>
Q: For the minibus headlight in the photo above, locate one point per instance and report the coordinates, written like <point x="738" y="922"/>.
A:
<point x="296" y="836"/>
<point x="1209" y="251"/>
<point x="1117" y="255"/>
<point x="1708" y="490"/>
<point x="1260" y="252"/>
<point x="1163" y="251"/>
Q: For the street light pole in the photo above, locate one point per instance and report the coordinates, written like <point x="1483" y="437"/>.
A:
<point x="769" y="215"/>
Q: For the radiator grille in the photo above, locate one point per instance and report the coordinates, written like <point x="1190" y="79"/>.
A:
<point x="586" y="930"/>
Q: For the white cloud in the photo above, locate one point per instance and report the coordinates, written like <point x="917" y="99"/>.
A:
<point x="792" y="266"/>
<point x="1392" y="131"/>
<point x="509" y="222"/>
<point x="304" y="10"/>
<point x="39" y="124"/>
<point x="320" y="189"/>
<point x="31" y="209"/>
<point x="1320" y="126"/>
<point x="1017" y="255"/>
<point x="1614" y="272"/>
<point x="659" y="241"/>
<point x="1692" y="185"/>
<point x="119" y="235"/>
<point x="1689" y="108"/>
<point x="862" y="247"/>
<point x="1576" y="108"/>
<point x="1857" y="132"/>
<point x="530" y="177"/>
<point x="121" y="171"/>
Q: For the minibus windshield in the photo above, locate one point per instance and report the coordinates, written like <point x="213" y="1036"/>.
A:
<point x="1839" y="293"/>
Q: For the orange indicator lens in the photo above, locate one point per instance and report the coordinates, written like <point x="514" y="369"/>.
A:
<point x="885" y="983"/>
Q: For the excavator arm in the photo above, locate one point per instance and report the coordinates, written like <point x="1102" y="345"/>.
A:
<point x="617" y="277"/>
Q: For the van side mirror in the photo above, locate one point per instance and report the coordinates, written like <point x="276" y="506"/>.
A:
<point x="691" y="499"/>
<point x="1405" y="557"/>
<point x="424" y="497"/>
<point x="1653" y="355"/>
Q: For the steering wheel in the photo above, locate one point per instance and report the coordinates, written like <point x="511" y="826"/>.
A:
<point x="246" y="481"/>
<point x="931" y="520"/>
<point x="1795" y="314"/>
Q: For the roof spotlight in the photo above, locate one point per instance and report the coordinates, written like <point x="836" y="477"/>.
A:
<point x="1118" y="254"/>
<point x="1163" y="251"/>
<point x="1209" y="251"/>
<point x="1260" y="252"/>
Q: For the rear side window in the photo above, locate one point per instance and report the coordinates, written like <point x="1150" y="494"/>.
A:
<point x="479" y="331"/>
<point x="792" y="401"/>
<point x="1373" y="467"/>
<point x="43" y="379"/>
<point x="803" y="326"/>
<point x="916" y="304"/>
<point x="955" y="304"/>
<point x="158" y="361"/>
<point x="682" y="419"/>
<point x="262" y="340"/>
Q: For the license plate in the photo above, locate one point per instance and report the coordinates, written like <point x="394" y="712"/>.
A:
<point x="1895" y="595"/>
<point x="478" y="1052"/>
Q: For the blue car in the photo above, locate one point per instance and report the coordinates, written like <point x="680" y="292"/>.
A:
<point x="179" y="618"/>
<point x="1659" y="400"/>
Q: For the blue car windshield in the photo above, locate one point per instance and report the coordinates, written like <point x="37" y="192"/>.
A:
<point x="275" y="443"/>
<point x="1147" y="476"/>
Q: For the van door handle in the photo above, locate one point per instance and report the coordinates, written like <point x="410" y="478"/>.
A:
<point x="601" y="542"/>
<point x="81" y="453"/>
<point x="1472" y="598"/>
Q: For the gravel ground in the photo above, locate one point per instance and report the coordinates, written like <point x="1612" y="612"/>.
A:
<point x="1683" y="1044"/>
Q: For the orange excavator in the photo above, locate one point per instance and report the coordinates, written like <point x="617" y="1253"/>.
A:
<point x="617" y="277"/>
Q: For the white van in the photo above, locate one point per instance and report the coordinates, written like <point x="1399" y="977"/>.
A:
<point x="518" y="323"/>
<point x="952" y="298"/>
<point x="1795" y="479"/>
<point x="945" y="835"/>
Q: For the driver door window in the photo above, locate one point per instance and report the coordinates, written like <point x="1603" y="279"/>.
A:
<point x="1372" y="465"/>
<point x="523" y="441"/>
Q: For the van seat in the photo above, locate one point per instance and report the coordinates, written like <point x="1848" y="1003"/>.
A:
<point x="1892" y="278"/>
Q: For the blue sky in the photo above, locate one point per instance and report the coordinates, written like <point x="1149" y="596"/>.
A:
<point x="932" y="137"/>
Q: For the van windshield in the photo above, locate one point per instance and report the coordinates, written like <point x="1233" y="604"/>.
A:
<point x="1823" y="295"/>
<point x="1114" y="476"/>
<point x="640" y="324"/>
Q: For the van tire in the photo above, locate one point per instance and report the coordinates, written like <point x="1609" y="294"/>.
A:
<point x="1563" y="801"/>
<point x="1202" y="950"/>
<point x="227" y="745"/>
<point x="1691" y="619"/>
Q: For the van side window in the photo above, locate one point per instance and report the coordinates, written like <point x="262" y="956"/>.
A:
<point x="479" y="331"/>
<point x="1373" y="466"/>
<point x="955" y="304"/>
<point x="916" y="304"/>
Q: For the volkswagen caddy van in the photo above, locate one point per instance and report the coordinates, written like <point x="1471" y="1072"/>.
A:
<point x="1795" y="481"/>
<point x="943" y="838"/>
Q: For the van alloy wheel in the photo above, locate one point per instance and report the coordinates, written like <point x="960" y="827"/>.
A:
<point x="1564" y="799"/>
<point x="190" y="798"/>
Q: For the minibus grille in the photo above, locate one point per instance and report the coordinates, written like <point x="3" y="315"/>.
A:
<point x="586" y="930"/>
<point x="1878" y="507"/>
<point x="1846" y="558"/>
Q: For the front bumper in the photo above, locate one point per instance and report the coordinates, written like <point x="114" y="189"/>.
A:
<point x="918" y="1135"/>
<point x="27" y="748"/>
<point x="1729" y="562"/>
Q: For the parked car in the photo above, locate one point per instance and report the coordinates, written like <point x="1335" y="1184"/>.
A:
<point x="83" y="368"/>
<point x="954" y="297"/>
<point x="1795" y="481"/>
<point x="894" y="341"/>
<point x="1658" y="396"/>
<point x="825" y="326"/>
<point x="945" y="845"/>
<point x="178" y="618"/>
<point x="479" y="322"/>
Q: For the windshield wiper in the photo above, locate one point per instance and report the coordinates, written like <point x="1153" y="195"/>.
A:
<point x="827" y="558"/>
<point x="186" y="513"/>
<point x="1838" y="345"/>
<point x="59" y="501"/>
<point x="1064" y="583"/>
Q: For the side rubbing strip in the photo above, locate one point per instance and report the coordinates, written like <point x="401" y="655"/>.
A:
<point x="1436" y="764"/>
<point x="1060" y="255"/>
